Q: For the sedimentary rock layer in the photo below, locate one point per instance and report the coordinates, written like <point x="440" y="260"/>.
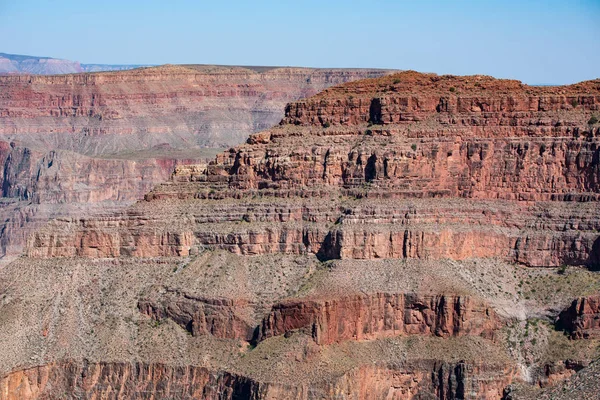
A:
<point x="222" y="318"/>
<point x="363" y="317"/>
<point x="582" y="318"/>
<point x="421" y="379"/>
<point x="180" y="105"/>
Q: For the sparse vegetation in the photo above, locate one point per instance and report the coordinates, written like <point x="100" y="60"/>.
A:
<point x="326" y="125"/>
<point x="413" y="147"/>
<point x="562" y="269"/>
<point x="396" y="81"/>
<point x="593" y="120"/>
<point x="453" y="89"/>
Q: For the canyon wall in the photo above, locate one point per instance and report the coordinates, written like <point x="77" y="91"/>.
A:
<point x="582" y="318"/>
<point x="102" y="140"/>
<point x="423" y="379"/>
<point x="390" y="238"/>
<point x="380" y="315"/>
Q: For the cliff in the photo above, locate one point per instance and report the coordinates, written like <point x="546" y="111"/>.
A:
<point x="582" y="318"/>
<point x="184" y="106"/>
<point x="397" y="237"/>
<point x="103" y="140"/>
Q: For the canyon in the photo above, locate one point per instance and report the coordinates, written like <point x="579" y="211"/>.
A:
<point x="81" y="144"/>
<point x="407" y="236"/>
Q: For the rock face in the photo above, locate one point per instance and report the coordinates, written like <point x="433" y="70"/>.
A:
<point x="359" y="317"/>
<point x="364" y="317"/>
<point x="424" y="379"/>
<point x="107" y="139"/>
<point x="183" y="106"/>
<point x="222" y="318"/>
<point x="375" y="244"/>
<point x="582" y="318"/>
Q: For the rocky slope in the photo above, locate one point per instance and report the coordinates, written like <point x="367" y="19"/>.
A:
<point x="406" y="237"/>
<point x="100" y="141"/>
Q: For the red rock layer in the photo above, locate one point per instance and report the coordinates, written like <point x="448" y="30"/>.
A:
<point x="363" y="317"/>
<point x="474" y="138"/>
<point x="415" y="380"/>
<point x="180" y="100"/>
<point x="201" y="316"/>
<point x="582" y="318"/>
<point x="537" y="235"/>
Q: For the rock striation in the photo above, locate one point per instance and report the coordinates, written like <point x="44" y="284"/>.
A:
<point x="148" y="381"/>
<point x="390" y="238"/>
<point x="108" y="138"/>
<point x="379" y="315"/>
<point x="582" y="318"/>
<point x="222" y="318"/>
<point x="183" y="106"/>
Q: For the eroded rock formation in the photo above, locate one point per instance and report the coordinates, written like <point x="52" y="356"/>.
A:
<point x="381" y="242"/>
<point x="422" y="379"/>
<point x="363" y="317"/>
<point x="582" y="318"/>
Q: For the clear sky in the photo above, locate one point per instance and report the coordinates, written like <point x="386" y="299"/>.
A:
<point x="538" y="42"/>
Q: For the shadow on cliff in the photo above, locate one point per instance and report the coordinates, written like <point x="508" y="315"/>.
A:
<point x="593" y="261"/>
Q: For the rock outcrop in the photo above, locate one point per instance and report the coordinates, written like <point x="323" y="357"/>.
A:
<point x="423" y="379"/>
<point x="105" y="138"/>
<point x="364" y="317"/>
<point x="582" y="318"/>
<point x="527" y="151"/>
<point x="222" y="318"/>
<point x="372" y="245"/>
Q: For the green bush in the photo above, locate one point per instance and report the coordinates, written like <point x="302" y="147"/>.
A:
<point x="414" y="147"/>
<point x="326" y="125"/>
<point x="453" y="89"/>
<point x="593" y="120"/>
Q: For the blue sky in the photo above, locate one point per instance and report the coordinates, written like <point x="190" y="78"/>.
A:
<point x="532" y="40"/>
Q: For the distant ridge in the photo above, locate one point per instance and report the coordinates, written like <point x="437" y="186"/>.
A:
<point x="23" y="64"/>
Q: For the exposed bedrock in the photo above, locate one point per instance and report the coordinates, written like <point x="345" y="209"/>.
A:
<point x="180" y="105"/>
<point x="363" y="317"/>
<point x="37" y="186"/>
<point x="381" y="190"/>
<point x="544" y="234"/>
<point x="222" y="318"/>
<point x="582" y="318"/>
<point x="327" y="321"/>
<point x="412" y="380"/>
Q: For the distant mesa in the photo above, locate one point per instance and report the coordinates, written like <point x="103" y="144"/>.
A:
<point x="21" y="64"/>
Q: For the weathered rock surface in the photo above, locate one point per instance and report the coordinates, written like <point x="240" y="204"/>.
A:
<point x="582" y="318"/>
<point x="377" y="238"/>
<point x="364" y="317"/>
<point x="424" y="379"/>
<point x="184" y="106"/>
<point x="222" y="318"/>
<point x="512" y="145"/>
<point x="91" y="138"/>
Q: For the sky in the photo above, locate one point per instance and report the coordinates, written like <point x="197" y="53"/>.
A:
<point x="535" y="41"/>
